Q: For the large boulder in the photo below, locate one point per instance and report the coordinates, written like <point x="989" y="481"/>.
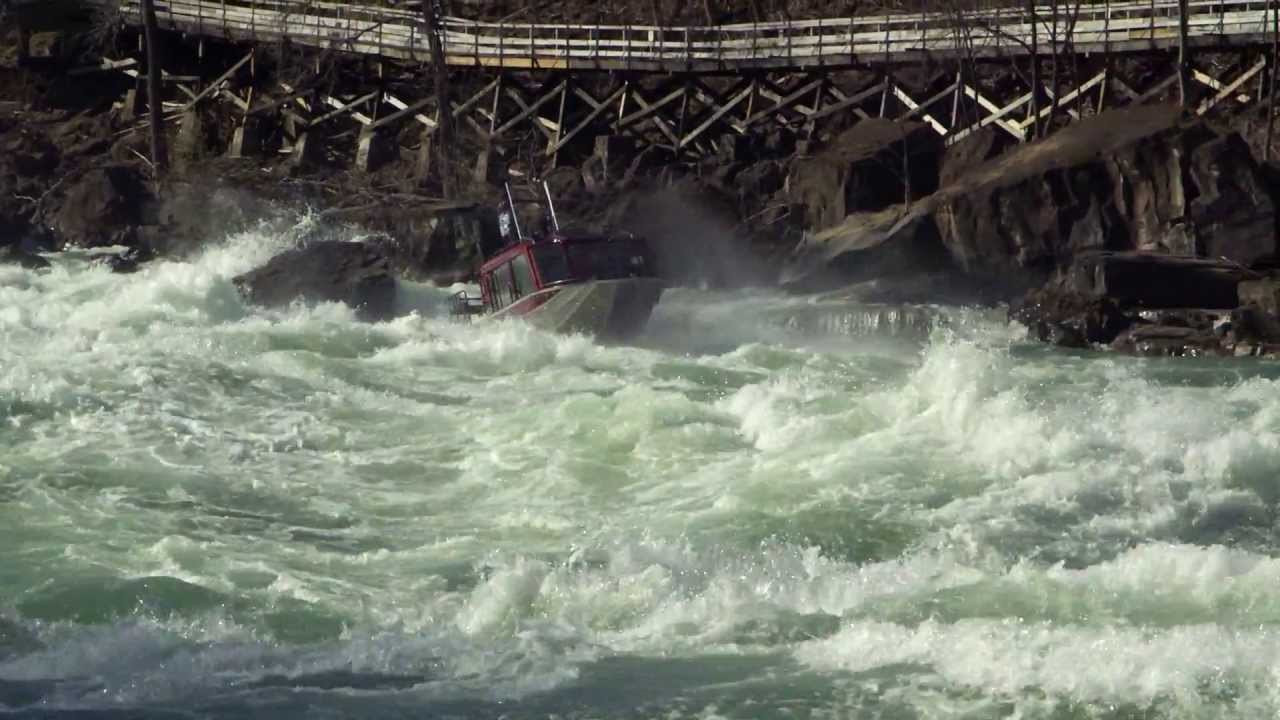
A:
<point x="1134" y="179"/>
<point x="100" y="205"/>
<point x="866" y="168"/>
<point x="347" y="272"/>
<point x="1234" y="214"/>
<point x="16" y="255"/>
<point x="1157" y="280"/>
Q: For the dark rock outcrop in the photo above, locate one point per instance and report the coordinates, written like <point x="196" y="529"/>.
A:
<point x="1065" y="317"/>
<point x="102" y="207"/>
<point x="348" y="272"/>
<point x="1134" y="179"/>
<point x="1234" y="214"/>
<point x="1155" y="280"/>
<point x="15" y="255"/>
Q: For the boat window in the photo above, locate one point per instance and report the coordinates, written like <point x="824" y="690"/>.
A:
<point x="610" y="260"/>
<point x="553" y="266"/>
<point x="523" y="276"/>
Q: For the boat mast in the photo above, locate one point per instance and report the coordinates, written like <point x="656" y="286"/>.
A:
<point x="551" y="205"/>
<point x="515" y="217"/>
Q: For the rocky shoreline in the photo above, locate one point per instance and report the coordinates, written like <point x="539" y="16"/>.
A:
<point x="1145" y="230"/>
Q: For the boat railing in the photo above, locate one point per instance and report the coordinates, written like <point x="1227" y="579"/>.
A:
<point x="462" y="307"/>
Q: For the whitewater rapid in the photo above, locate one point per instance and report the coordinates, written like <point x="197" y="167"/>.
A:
<point x="764" y="507"/>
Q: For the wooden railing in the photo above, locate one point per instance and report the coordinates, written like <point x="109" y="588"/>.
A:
<point x="399" y="33"/>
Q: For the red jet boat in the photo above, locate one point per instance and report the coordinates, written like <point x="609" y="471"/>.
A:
<point x="599" y="284"/>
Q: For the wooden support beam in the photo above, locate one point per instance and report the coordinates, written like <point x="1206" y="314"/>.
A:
<point x="997" y="113"/>
<point x="1159" y="88"/>
<point x="905" y="99"/>
<point x="599" y="108"/>
<point x="708" y="97"/>
<point x="1213" y="83"/>
<point x="104" y="66"/>
<point x="843" y="101"/>
<point x="650" y="110"/>
<point x="1123" y="87"/>
<point x="647" y="108"/>
<point x="1085" y="87"/>
<point x="341" y="108"/>
<point x="343" y="105"/>
<point x="267" y="107"/>
<point x="1226" y="91"/>
<point x="231" y="97"/>
<point x="531" y="109"/>
<point x="684" y="141"/>
<point x="401" y="106"/>
<point x="545" y="126"/>
<point x="941" y="95"/>
<point x="783" y="102"/>
<point x="217" y="84"/>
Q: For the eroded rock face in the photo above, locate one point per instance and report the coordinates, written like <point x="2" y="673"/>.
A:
<point x="863" y="170"/>
<point x="1135" y="179"/>
<point x="348" y="272"/>
<point x="1234" y="214"/>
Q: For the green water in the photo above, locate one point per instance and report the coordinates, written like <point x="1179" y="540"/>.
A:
<point x="766" y="507"/>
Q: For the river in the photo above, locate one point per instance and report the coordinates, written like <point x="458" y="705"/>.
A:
<point x="765" y="507"/>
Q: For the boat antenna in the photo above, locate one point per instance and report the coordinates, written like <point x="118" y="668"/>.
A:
<point x="551" y="205"/>
<point x="515" y="216"/>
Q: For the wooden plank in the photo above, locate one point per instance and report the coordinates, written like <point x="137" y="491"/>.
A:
<point x="405" y="110"/>
<point x="647" y="109"/>
<point x="106" y="65"/>
<point x="548" y="130"/>
<point x="1206" y="79"/>
<point x="911" y="104"/>
<point x="1226" y="91"/>
<point x="783" y="102"/>
<point x="599" y="108"/>
<point x="684" y="142"/>
<point x="217" y="84"/>
<point x="531" y="109"/>
<point x="663" y="126"/>
<point x="997" y="113"/>
<point x="342" y="108"/>
<point x="1044" y="112"/>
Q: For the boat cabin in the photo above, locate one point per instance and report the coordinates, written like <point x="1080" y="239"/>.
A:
<point x="538" y="261"/>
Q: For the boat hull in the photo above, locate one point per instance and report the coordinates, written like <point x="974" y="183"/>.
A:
<point x="607" y="309"/>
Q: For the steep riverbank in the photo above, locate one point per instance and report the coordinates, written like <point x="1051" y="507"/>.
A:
<point x="1133" y="229"/>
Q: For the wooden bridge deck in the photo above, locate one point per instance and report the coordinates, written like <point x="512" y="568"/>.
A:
<point x="398" y="33"/>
